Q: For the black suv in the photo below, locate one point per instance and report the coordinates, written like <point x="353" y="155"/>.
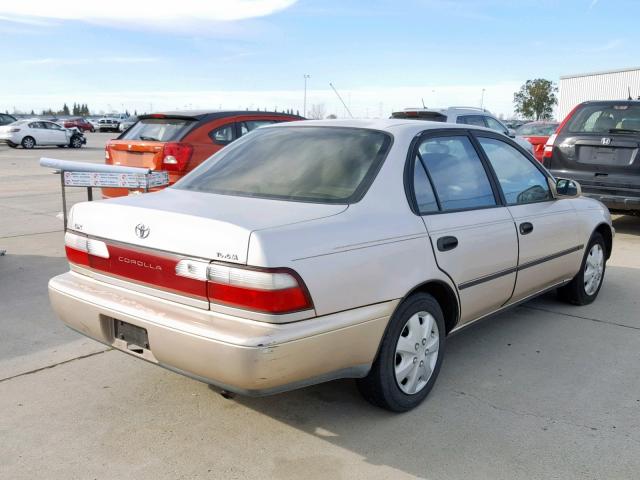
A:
<point x="598" y="144"/>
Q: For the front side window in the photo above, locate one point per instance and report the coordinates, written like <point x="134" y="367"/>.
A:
<point x="458" y="175"/>
<point x="475" y="120"/>
<point x="520" y="180"/>
<point x="494" y="124"/>
<point x="306" y="164"/>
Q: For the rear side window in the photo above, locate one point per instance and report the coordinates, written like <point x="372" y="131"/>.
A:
<point x="494" y="124"/>
<point x="158" y="129"/>
<point x="460" y="180"/>
<point x="605" y="119"/>
<point x="308" y="164"/>
<point x="425" y="198"/>
<point x="223" y="135"/>
<point x="246" y="127"/>
<point x="520" y="180"/>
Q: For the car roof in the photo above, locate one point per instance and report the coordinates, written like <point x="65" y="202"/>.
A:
<point x="213" y="114"/>
<point x="390" y="125"/>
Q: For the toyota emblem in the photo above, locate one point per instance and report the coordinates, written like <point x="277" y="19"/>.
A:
<point x="142" y="231"/>
<point x="605" y="141"/>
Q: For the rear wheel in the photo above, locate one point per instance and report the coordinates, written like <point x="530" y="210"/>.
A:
<point x="410" y="356"/>
<point x="584" y="287"/>
<point x="28" y="142"/>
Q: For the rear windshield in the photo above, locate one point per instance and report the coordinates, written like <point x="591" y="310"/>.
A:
<point x="307" y="164"/>
<point x="158" y="129"/>
<point x="605" y="119"/>
<point x="537" y="129"/>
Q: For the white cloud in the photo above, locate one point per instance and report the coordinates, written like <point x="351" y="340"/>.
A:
<point x="140" y="11"/>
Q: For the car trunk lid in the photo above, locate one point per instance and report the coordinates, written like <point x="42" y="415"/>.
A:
<point x="186" y="223"/>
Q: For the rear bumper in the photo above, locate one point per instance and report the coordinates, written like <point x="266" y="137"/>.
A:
<point x="616" y="202"/>
<point x="239" y="355"/>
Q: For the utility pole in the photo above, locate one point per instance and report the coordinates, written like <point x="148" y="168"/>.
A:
<point x="304" y="108"/>
<point x="482" y="99"/>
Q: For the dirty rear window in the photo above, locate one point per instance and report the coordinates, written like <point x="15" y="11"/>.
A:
<point x="158" y="129"/>
<point x="611" y="118"/>
<point x="308" y="164"/>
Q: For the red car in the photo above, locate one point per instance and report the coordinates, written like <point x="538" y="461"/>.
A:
<point x="79" y="123"/>
<point x="537" y="134"/>
<point x="177" y="142"/>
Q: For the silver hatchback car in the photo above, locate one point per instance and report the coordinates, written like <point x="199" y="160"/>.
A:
<point x="310" y="251"/>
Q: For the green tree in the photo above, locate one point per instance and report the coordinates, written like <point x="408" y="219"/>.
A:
<point x="536" y="99"/>
<point x="65" y="110"/>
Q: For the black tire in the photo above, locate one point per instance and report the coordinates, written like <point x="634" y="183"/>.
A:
<point x="28" y="142"/>
<point x="76" y="141"/>
<point x="380" y="386"/>
<point x="575" y="292"/>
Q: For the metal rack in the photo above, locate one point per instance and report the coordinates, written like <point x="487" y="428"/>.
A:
<point x="89" y="176"/>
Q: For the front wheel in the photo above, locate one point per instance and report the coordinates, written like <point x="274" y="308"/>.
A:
<point x="584" y="287"/>
<point x="76" y="142"/>
<point x="410" y="356"/>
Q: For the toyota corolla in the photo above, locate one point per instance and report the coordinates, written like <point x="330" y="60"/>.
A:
<point x="310" y="251"/>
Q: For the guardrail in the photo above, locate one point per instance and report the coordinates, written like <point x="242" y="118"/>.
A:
<point x="88" y="175"/>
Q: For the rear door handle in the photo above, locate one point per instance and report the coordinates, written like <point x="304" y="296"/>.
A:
<point x="526" y="227"/>
<point x="447" y="243"/>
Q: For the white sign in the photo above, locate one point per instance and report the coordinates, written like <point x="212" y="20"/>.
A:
<point x="116" y="180"/>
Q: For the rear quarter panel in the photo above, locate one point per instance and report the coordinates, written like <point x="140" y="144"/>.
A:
<point x="376" y="250"/>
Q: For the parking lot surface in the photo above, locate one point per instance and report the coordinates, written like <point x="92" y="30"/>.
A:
<point x="545" y="390"/>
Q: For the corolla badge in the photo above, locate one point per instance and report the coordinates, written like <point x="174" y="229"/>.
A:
<point x="605" y="141"/>
<point x="142" y="231"/>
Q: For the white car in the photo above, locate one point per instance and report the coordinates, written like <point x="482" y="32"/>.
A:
<point x="309" y="251"/>
<point x="478" y="117"/>
<point x="35" y="132"/>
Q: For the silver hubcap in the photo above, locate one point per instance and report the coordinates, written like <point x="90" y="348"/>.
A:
<point x="593" y="269"/>
<point x="28" y="143"/>
<point x="416" y="352"/>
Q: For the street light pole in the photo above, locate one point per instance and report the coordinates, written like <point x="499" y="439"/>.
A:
<point x="482" y="99"/>
<point x="304" y="108"/>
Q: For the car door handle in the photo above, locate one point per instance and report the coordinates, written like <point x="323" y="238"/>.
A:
<point x="447" y="243"/>
<point x="526" y="227"/>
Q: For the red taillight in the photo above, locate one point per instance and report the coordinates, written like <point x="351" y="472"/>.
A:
<point x="176" y="156"/>
<point x="548" y="147"/>
<point x="267" y="290"/>
<point x="273" y="291"/>
<point x="79" y="248"/>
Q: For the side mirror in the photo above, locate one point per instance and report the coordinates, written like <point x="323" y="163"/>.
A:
<point x="565" y="188"/>
<point x="511" y="133"/>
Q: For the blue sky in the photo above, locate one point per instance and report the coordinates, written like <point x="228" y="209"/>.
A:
<point x="381" y="55"/>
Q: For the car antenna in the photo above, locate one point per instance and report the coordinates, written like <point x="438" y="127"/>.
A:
<point x="423" y="105"/>
<point x="338" y="95"/>
<point x="630" y="97"/>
